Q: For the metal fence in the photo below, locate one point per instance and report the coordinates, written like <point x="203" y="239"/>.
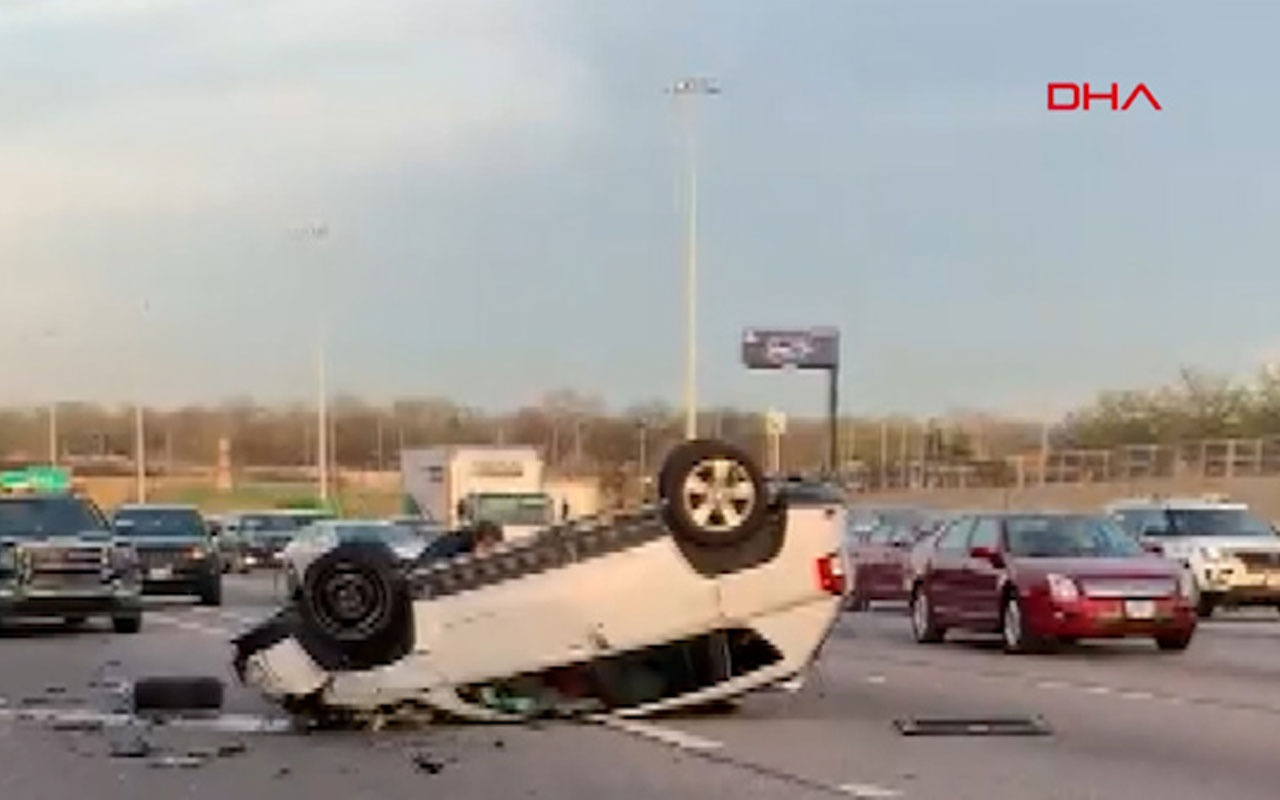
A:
<point x="1207" y="459"/>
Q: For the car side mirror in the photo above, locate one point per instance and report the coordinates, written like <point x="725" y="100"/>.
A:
<point x="989" y="554"/>
<point x="1153" y="547"/>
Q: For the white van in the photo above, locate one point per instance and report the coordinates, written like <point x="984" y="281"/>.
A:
<point x="722" y="588"/>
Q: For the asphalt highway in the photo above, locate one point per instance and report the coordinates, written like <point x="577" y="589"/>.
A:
<point x="1124" y="721"/>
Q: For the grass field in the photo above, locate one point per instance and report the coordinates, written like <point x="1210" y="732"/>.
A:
<point x="351" y="502"/>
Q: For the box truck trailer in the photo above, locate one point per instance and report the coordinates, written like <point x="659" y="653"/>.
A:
<point x="459" y="485"/>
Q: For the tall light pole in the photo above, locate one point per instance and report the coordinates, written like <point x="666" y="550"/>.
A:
<point x="686" y="91"/>
<point x="139" y="432"/>
<point x="318" y="232"/>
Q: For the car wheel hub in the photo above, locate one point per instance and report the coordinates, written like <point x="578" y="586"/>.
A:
<point x="718" y="494"/>
<point x="921" y="616"/>
<point x="349" y="601"/>
<point x="1012" y="623"/>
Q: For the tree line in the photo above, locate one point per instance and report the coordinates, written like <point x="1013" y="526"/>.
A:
<point x="579" y="434"/>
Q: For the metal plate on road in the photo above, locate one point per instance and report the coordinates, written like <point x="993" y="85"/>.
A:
<point x="1140" y="609"/>
<point x="972" y="726"/>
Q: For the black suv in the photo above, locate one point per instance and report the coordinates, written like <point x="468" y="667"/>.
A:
<point x="176" y="552"/>
<point x="58" y="559"/>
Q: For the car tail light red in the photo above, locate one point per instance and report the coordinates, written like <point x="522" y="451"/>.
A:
<point x="831" y="574"/>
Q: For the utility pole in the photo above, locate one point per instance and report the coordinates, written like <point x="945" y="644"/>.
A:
<point x="140" y="450"/>
<point x="318" y="232"/>
<point x="884" y="454"/>
<point x="139" y="421"/>
<point x="1044" y="453"/>
<point x="53" y="433"/>
<point x="686" y="91"/>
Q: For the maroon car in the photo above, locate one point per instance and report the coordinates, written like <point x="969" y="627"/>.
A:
<point x="1042" y="578"/>
<point x="880" y="562"/>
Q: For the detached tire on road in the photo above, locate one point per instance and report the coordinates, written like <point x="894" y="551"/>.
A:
<point x="713" y="494"/>
<point x="356" y="599"/>
<point x="177" y="694"/>
<point x="131" y="623"/>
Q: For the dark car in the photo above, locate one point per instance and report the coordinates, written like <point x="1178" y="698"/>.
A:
<point x="176" y="551"/>
<point x="1042" y="578"/>
<point x="58" y="559"/>
<point x="263" y="536"/>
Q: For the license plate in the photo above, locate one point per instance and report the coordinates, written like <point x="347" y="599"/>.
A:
<point x="1139" y="609"/>
<point x="161" y="573"/>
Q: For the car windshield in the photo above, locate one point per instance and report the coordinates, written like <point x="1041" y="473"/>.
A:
<point x="514" y="509"/>
<point x="269" y="526"/>
<point x="393" y="535"/>
<point x="38" y="517"/>
<point x="1214" y="522"/>
<point x="1067" y="537"/>
<point x="159" y="522"/>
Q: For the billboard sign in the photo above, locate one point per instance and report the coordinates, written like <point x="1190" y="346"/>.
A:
<point x="811" y="348"/>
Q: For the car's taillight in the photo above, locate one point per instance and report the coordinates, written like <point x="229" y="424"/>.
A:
<point x="831" y="574"/>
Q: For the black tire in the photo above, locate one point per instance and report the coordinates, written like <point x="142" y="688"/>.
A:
<point x="127" y="623"/>
<point x="857" y="602"/>
<point x="356" y="598"/>
<point x="211" y="592"/>
<point x="1016" y="635"/>
<point x="924" y="623"/>
<point x="1174" y="642"/>
<point x="177" y="694"/>
<point x="1206" y="605"/>
<point x="713" y="494"/>
<point x="74" y="621"/>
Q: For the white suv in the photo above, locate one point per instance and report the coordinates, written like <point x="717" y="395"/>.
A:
<point x="724" y="587"/>
<point x="1232" y="555"/>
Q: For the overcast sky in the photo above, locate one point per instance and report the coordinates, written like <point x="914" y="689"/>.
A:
<point x="499" y="182"/>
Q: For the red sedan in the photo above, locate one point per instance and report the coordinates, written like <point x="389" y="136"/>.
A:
<point x="881" y="561"/>
<point x="1042" y="578"/>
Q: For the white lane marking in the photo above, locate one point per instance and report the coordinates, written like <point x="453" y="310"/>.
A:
<point x="191" y="627"/>
<point x="875" y="679"/>
<point x="657" y="733"/>
<point x="869" y="791"/>
<point x="225" y="723"/>
<point x="1050" y="685"/>
<point x="1098" y="689"/>
<point x="1137" y="695"/>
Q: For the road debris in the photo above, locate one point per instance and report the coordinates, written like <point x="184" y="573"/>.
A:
<point x="425" y="763"/>
<point x="973" y="726"/>
<point x="132" y="746"/>
<point x="176" y="762"/>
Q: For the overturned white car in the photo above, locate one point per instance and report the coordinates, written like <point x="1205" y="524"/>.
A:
<point x="722" y="588"/>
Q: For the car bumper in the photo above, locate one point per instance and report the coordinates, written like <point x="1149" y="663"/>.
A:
<point x="262" y="559"/>
<point x="1109" y="618"/>
<point x="179" y="579"/>
<point x="18" y="603"/>
<point x="1240" y="587"/>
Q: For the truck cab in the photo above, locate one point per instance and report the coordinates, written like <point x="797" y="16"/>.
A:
<point x="519" y="514"/>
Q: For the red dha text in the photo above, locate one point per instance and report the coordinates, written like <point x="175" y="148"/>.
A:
<point x="1079" y="97"/>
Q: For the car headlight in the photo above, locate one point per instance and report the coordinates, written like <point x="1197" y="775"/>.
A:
<point x="124" y="558"/>
<point x="198" y="553"/>
<point x="1062" y="588"/>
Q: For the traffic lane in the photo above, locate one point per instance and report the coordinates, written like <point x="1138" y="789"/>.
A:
<point x="482" y="761"/>
<point x="1104" y="744"/>
<point x="48" y="665"/>
<point x="1220" y="667"/>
